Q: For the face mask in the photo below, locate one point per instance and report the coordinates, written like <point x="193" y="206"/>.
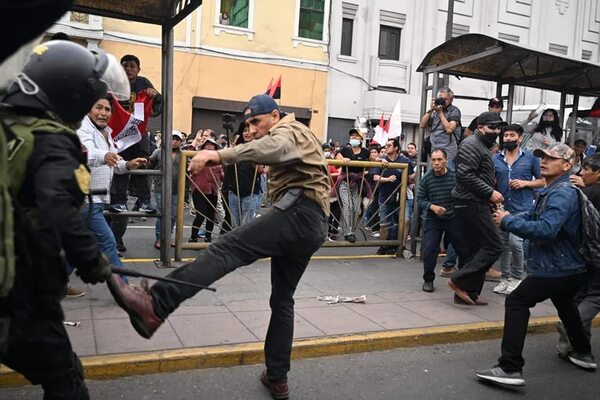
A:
<point x="490" y="138"/>
<point x="546" y="124"/>
<point x="354" y="142"/>
<point x="327" y="154"/>
<point x="510" y="146"/>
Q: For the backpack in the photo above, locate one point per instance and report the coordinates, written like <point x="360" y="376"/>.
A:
<point x="590" y="232"/>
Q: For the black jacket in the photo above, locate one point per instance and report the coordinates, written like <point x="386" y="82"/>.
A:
<point x="475" y="174"/>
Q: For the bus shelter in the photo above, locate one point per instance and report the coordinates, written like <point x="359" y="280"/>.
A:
<point x="482" y="57"/>
<point x="167" y="14"/>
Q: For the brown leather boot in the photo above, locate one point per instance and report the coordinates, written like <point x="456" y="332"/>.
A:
<point x="138" y="303"/>
<point x="278" y="390"/>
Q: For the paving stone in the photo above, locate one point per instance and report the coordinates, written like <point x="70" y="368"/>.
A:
<point x="210" y="329"/>
<point x="391" y="316"/>
<point x="118" y="336"/>
<point x="336" y="319"/>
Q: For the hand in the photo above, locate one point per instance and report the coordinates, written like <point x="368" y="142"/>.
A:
<point x="203" y="157"/>
<point x="496" y="197"/>
<point x="151" y="92"/>
<point x="437" y="210"/>
<point x="112" y="159"/>
<point x="433" y="106"/>
<point x="136" y="163"/>
<point x="498" y="215"/>
<point x="346" y="160"/>
<point x="518" y="184"/>
<point x="577" y="180"/>
<point x="98" y="273"/>
<point x="391" y="178"/>
<point x="384" y="162"/>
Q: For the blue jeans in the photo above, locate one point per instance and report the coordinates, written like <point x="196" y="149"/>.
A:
<point x="388" y="218"/>
<point x="451" y="256"/>
<point x="104" y="236"/>
<point x="157" y="226"/>
<point x="511" y="260"/>
<point x="249" y="205"/>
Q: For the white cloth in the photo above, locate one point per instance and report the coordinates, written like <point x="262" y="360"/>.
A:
<point x="97" y="146"/>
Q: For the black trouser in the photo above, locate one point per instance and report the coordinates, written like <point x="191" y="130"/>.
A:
<point x="206" y="207"/>
<point x="38" y="346"/>
<point x="290" y="238"/>
<point x="226" y="225"/>
<point x="334" y="217"/>
<point x="483" y="242"/>
<point x="533" y="290"/>
<point x="433" y="229"/>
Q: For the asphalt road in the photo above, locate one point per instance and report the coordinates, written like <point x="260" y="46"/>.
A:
<point x="435" y="372"/>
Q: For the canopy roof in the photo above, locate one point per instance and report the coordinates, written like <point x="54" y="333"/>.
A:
<point x="483" y="57"/>
<point x="160" y="12"/>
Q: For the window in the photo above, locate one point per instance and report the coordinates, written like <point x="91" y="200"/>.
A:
<point x="234" y="13"/>
<point x="312" y="14"/>
<point x="389" y="43"/>
<point x="347" y="30"/>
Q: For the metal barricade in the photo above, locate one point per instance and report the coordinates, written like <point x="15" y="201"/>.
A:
<point x="355" y="221"/>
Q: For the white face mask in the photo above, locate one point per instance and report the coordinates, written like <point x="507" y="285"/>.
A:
<point x="327" y="154"/>
<point x="354" y="142"/>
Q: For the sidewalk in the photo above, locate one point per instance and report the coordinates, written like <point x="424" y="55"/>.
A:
<point x="239" y="311"/>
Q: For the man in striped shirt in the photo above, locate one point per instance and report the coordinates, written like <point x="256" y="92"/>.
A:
<point x="435" y="198"/>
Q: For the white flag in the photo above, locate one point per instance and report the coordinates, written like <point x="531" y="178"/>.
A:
<point x="395" y="129"/>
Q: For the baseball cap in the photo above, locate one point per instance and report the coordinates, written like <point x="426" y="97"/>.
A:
<point x="557" y="151"/>
<point x="258" y="105"/>
<point x="177" y="134"/>
<point x="211" y="141"/>
<point x="490" y="118"/>
<point x="496" y="102"/>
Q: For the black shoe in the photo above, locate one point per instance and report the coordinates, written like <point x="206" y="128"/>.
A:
<point x="207" y="239"/>
<point x="350" y="238"/>
<point x="428" y="287"/>
<point x="121" y="247"/>
<point x="585" y="361"/>
<point x="193" y="240"/>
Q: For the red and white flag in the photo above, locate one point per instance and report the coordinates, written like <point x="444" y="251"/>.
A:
<point x="381" y="135"/>
<point x="128" y="129"/>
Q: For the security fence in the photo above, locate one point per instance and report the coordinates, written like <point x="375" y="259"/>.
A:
<point x="356" y="206"/>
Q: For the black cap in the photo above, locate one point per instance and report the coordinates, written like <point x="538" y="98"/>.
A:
<point x="490" y="118"/>
<point x="258" y="105"/>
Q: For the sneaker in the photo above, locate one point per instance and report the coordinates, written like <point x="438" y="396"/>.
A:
<point x="502" y="287"/>
<point x="157" y="245"/>
<point x="71" y="292"/>
<point x="513" y="283"/>
<point x="201" y="233"/>
<point x="148" y="209"/>
<point x="564" y="344"/>
<point x="428" y="287"/>
<point x="118" y="208"/>
<point x="498" y="375"/>
<point x="331" y="238"/>
<point x="278" y="390"/>
<point x="585" y="361"/>
<point x="350" y="238"/>
<point x="375" y="234"/>
<point x="447" y="272"/>
<point x="193" y="240"/>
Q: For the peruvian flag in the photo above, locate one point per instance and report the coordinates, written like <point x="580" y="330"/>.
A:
<point x="381" y="132"/>
<point x="128" y="129"/>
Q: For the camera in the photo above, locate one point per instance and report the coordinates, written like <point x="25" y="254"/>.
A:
<point x="439" y="101"/>
<point x="228" y="120"/>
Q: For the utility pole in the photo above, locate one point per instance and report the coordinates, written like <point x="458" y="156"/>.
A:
<point x="449" y="23"/>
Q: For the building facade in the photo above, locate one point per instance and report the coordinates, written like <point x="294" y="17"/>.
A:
<point x="376" y="46"/>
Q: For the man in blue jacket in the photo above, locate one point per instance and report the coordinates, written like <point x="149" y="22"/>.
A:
<point x="556" y="270"/>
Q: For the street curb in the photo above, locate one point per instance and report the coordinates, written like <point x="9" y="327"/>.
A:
<point x="121" y="365"/>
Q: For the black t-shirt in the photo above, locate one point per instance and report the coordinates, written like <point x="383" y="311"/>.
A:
<point x="593" y="193"/>
<point x="347" y="152"/>
<point x="473" y="124"/>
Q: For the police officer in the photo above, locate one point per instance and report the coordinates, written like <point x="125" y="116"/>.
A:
<point x="57" y="86"/>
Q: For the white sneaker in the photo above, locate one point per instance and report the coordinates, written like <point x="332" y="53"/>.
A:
<point x="502" y="287"/>
<point x="512" y="285"/>
<point x="375" y="234"/>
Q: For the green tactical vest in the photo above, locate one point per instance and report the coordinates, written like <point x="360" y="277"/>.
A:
<point x="16" y="146"/>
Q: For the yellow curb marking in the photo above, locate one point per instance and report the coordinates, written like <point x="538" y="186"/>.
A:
<point x="120" y="365"/>
<point x="357" y="257"/>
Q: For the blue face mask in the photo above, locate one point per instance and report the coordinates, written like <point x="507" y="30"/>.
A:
<point x="354" y="142"/>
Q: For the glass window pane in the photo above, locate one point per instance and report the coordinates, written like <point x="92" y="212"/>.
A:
<point x="312" y="13"/>
<point x="347" y="28"/>
<point x="234" y="12"/>
<point x="389" y="43"/>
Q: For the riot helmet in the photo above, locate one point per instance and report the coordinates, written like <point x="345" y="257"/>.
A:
<point x="68" y="78"/>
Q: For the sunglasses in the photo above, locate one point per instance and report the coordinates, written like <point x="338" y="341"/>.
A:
<point x="494" y="126"/>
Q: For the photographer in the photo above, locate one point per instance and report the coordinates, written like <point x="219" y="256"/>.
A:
<point x="442" y="121"/>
